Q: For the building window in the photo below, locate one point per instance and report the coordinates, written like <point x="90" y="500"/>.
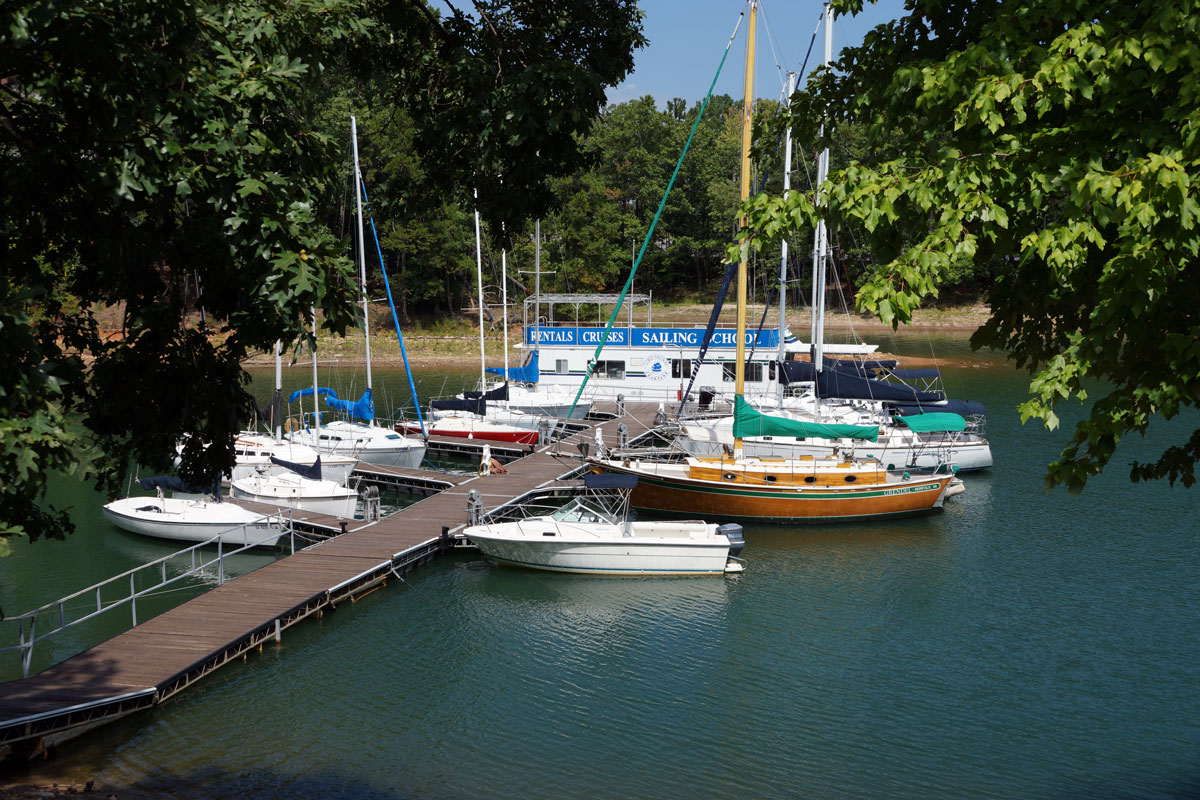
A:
<point x="754" y="372"/>
<point x="681" y="368"/>
<point x="561" y="368"/>
<point x="609" y="369"/>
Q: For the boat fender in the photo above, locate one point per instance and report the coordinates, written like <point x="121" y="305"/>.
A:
<point x="733" y="532"/>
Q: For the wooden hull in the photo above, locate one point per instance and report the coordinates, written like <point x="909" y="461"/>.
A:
<point x="784" y="505"/>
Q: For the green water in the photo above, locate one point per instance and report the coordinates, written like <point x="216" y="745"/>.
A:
<point x="1019" y="645"/>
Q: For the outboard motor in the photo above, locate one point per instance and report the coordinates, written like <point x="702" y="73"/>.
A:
<point x="733" y="532"/>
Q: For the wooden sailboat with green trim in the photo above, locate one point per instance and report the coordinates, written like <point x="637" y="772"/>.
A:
<point x="805" y="489"/>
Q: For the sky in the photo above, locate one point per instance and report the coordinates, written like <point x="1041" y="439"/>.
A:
<point x="687" y="38"/>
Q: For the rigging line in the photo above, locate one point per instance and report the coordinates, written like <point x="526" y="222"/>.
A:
<point x="780" y="67"/>
<point x="654" y="223"/>
<point x="395" y="318"/>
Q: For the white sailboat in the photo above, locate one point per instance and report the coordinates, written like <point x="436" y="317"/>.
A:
<point x="359" y="437"/>
<point x="292" y="490"/>
<point x="194" y="520"/>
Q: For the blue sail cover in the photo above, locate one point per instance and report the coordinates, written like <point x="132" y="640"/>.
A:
<point x="834" y="382"/>
<point x="472" y="405"/>
<point x="526" y="374"/>
<point x="499" y="393"/>
<point x="363" y="408"/>
<point x="311" y="471"/>
<point x="309" y="393"/>
<point x="171" y="484"/>
<point x="964" y="408"/>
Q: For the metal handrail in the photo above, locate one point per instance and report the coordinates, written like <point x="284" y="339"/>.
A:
<point x="26" y="643"/>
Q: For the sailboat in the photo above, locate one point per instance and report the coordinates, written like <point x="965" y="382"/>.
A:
<point x="358" y="436"/>
<point x="484" y="415"/>
<point x="805" y="489"/>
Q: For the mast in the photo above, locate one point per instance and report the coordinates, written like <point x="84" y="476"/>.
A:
<point x="362" y="250"/>
<point x="316" y="396"/>
<point x="479" y="275"/>
<point x="278" y="390"/>
<point x="787" y="187"/>
<point x="504" y="300"/>
<point x="537" y="284"/>
<point x="747" y="111"/>
<point x="821" y="240"/>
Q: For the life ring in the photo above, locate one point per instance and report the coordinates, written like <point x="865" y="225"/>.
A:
<point x="291" y="425"/>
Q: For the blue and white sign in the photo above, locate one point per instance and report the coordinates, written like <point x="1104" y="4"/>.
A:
<point x="656" y="367"/>
<point x="673" y="338"/>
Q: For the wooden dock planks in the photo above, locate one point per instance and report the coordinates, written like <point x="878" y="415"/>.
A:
<point x="179" y="646"/>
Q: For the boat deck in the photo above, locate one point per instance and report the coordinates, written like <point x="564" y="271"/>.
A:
<point x="164" y="655"/>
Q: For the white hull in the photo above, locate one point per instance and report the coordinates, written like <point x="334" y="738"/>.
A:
<point x="254" y="452"/>
<point x="291" y="491"/>
<point x="194" y="521"/>
<point x="897" y="449"/>
<point x="655" y="548"/>
<point x="367" y="443"/>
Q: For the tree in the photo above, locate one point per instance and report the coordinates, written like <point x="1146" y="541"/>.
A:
<point x="1059" y="139"/>
<point x="161" y="157"/>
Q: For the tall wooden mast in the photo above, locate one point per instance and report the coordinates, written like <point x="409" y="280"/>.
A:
<point x="747" y="114"/>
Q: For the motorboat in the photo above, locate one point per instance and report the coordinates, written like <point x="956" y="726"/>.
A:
<point x="293" y="490"/>
<point x="195" y="520"/>
<point x="589" y="536"/>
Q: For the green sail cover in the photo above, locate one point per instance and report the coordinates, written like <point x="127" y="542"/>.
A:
<point x="747" y="421"/>
<point x="934" y="422"/>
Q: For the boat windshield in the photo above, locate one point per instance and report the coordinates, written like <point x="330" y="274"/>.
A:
<point x="579" y="511"/>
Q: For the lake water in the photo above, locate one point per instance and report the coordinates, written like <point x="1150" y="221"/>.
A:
<point x="1019" y="645"/>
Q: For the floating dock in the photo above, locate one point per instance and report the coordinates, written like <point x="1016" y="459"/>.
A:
<point x="162" y="656"/>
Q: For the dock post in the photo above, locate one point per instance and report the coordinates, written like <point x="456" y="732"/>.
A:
<point x="622" y="435"/>
<point x="474" y="506"/>
<point x="444" y="539"/>
<point x="277" y="631"/>
<point x="620" y="405"/>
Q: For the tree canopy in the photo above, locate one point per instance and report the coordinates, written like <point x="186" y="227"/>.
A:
<point x="163" y="156"/>
<point x="1058" y="138"/>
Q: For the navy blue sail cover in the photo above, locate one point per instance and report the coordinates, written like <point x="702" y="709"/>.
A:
<point x="606" y="480"/>
<point x="964" y="408"/>
<point x="499" y="393"/>
<point x="312" y="471"/>
<point x="171" y="484"/>
<point x="834" y="382"/>
<point x="473" y="405"/>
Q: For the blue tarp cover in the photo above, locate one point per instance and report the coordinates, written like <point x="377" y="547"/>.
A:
<point x="593" y="480"/>
<point x="309" y="393"/>
<point x="526" y="374"/>
<point x="363" y="408"/>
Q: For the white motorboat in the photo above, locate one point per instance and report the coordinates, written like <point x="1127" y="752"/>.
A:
<point x="197" y="521"/>
<point x="291" y="490"/>
<point x="585" y="536"/>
